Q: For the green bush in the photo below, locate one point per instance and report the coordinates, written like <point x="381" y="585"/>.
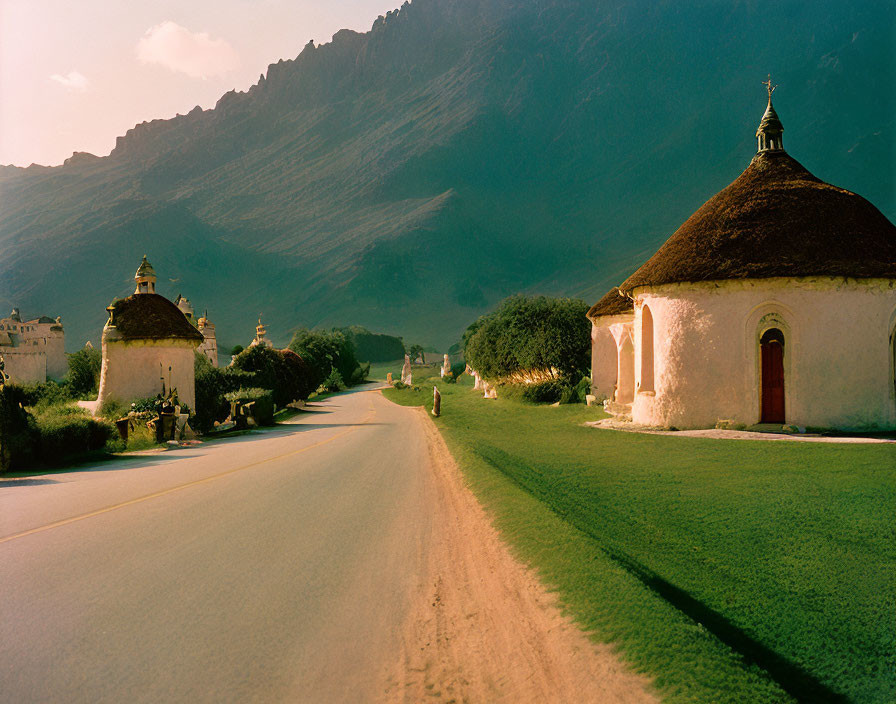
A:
<point x="583" y="388"/>
<point x="531" y="333"/>
<point x="263" y="410"/>
<point x="545" y="392"/>
<point x="212" y="384"/>
<point x="333" y="382"/>
<point x="359" y="376"/>
<point x="44" y="394"/>
<point x="113" y="409"/>
<point x="284" y="372"/>
<point x="17" y="447"/>
<point x="64" y="433"/>
<point x="84" y="372"/>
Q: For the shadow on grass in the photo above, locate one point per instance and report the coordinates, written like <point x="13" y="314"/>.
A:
<point x="792" y="678"/>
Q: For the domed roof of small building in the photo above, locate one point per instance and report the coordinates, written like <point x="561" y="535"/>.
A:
<point x="775" y="220"/>
<point x="149" y="316"/>
<point x="613" y="303"/>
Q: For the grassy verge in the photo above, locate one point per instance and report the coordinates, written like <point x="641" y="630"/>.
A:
<point x="730" y="571"/>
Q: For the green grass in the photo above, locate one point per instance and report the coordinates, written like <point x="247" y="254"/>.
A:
<point x="728" y="570"/>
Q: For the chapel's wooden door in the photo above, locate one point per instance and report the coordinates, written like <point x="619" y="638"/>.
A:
<point x="772" y="377"/>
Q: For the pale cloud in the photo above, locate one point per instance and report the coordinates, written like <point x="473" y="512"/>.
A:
<point x="193" y="53"/>
<point x="73" y="80"/>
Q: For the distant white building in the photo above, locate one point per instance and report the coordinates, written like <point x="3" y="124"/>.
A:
<point x="33" y="350"/>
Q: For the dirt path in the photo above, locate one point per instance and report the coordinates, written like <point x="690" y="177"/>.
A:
<point x="483" y="629"/>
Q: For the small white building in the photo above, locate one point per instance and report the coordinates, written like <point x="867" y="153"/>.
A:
<point x="774" y="303"/>
<point x="33" y="350"/>
<point x="148" y="346"/>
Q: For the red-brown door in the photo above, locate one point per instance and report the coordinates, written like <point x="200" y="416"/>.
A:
<point x="772" y="378"/>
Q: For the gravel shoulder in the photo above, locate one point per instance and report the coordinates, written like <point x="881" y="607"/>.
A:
<point x="482" y="628"/>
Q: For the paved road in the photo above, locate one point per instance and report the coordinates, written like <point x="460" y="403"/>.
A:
<point x="271" y="567"/>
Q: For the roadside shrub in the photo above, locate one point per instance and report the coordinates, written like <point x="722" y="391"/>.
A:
<point x="284" y="372"/>
<point x="44" y="394"/>
<point x="449" y="378"/>
<point x="569" y="395"/>
<point x="113" y="409"/>
<point x="544" y="392"/>
<point x="301" y="378"/>
<point x="67" y="432"/>
<point x="84" y="373"/>
<point x="17" y="431"/>
<point x="399" y="385"/>
<point x="263" y="410"/>
<point x="212" y="384"/>
<point x="359" y="376"/>
<point x="333" y="382"/>
<point x="458" y="368"/>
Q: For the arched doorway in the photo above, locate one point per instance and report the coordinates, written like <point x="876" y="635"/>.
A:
<point x="772" y="376"/>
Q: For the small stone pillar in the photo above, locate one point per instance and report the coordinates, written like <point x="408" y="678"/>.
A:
<point x="436" y="402"/>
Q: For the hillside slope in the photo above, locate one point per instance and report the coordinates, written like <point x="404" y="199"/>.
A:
<point x="407" y="178"/>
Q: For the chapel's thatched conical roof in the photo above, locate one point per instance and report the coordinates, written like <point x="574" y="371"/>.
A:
<point x="775" y="220"/>
<point x="149" y="316"/>
<point x="613" y="303"/>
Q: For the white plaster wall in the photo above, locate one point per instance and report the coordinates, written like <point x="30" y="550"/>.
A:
<point x="603" y="362"/>
<point x="57" y="362"/>
<point x="24" y="367"/>
<point x="131" y="369"/>
<point x="838" y="363"/>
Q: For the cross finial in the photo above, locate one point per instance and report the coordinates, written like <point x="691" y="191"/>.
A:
<point x="768" y="84"/>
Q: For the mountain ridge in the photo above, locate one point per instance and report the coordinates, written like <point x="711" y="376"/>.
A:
<point x="409" y="177"/>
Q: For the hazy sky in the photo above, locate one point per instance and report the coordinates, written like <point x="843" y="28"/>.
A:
<point x="75" y="74"/>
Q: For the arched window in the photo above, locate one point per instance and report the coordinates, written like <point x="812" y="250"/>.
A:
<point x="646" y="350"/>
<point x="771" y="346"/>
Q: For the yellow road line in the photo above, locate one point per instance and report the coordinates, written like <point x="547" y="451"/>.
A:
<point x="157" y="494"/>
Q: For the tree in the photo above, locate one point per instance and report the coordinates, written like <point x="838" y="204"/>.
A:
<point x="529" y="333"/>
<point x="84" y="372"/>
<point x="417" y="351"/>
<point x="236" y="350"/>
<point x="326" y="351"/>
<point x="282" y="371"/>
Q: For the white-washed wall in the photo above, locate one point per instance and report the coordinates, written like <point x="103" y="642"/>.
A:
<point x="838" y="358"/>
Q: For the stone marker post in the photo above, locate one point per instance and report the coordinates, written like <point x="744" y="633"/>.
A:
<point x="406" y="377"/>
<point x="436" y="402"/>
